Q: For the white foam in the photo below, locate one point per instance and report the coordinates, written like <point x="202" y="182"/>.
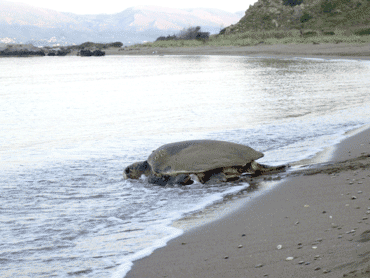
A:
<point x="127" y="263"/>
<point x="165" y="226"/>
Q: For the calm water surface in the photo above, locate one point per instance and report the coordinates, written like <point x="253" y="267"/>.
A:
<point x="70" y="125"/>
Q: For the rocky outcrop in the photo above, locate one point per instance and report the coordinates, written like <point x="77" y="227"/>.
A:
<point x="87" y="52"/>
<point x="59" y="52"/>
<point x="20" y="50"/>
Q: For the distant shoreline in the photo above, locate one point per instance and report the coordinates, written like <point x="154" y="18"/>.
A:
<point x="341" y="50"/>
<point x="323" y="50"/>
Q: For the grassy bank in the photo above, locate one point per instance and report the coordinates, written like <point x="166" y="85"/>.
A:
<point x="270" y="37"/>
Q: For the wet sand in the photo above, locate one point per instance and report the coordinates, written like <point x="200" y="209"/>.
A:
<point x="342" y="50"/>
<point x="315" y="223"/>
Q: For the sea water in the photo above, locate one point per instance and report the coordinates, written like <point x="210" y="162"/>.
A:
<point x="70" y="125"/>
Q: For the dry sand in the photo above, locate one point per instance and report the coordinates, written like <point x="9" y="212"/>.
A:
<point x="343" y="50"/>
<point x="319" y="217"/>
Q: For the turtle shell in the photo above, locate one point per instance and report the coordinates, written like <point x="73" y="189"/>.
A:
<point x="197" y="156"/>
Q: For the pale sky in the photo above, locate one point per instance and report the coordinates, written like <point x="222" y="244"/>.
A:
<point x="114" y="6"/>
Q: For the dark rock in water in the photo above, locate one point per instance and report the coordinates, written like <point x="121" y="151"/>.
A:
<point x="98" y="53"/>
<point x="88" y="53"/>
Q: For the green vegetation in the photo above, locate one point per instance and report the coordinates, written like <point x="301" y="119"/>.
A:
<point x="251" y="38"/>
<point x="91" y="45"/>
<point x="290" y="21"/>
<point x="192" y="33"/>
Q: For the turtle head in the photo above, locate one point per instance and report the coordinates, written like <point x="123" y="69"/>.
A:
<point x="134" y="171"/>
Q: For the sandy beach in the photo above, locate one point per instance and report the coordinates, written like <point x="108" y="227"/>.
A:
<point x="342" y="50"/>
<point x="315" y="223"/>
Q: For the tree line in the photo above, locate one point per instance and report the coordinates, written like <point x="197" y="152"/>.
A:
<point x="192" y="33"/>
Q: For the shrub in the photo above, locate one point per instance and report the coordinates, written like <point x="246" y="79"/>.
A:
<point x="292" y="3"/>
<point x="363" y="32"/>
<point x="305" y="17"/>
<point x="192" y="33"/>
<point x="116" y="44"/>
<point x="328" y="6"/>
<point x="310" y="34"/>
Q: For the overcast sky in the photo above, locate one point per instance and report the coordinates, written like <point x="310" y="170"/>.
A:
<point x="114" y="6"/>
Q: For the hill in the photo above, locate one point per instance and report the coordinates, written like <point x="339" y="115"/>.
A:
<point x="21" y="23"/>
<point x="323" y="16"/>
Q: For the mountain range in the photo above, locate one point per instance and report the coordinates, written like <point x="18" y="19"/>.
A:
<point x="21" y="23"/>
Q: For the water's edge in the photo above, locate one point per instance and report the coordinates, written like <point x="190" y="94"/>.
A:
<point x="231" y="203"/>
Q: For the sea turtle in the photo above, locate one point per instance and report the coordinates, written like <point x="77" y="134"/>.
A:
<point x="202" y="160"/>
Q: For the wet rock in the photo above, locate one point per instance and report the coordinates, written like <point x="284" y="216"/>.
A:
<point x="259" y="266"/>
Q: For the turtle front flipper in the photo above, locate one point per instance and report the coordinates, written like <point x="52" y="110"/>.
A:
<point x="182" y="179"/>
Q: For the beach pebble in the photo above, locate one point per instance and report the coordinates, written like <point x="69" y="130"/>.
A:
<point x="289" y="259"/>
<point x="243" y="234"/>
<point x="314" y="247"/>
<point x="333" y="225"/>
<point x="306" y="206"/>
<point x="325" y="271"/>
<point x="324" y="211"/>
<point x="226" y="257"/>
<point x="259" y="265"/>
<point x="240" y="246"/>
<point x="183" y="243"/>
<point x="319" y="239"/>
<point x="317" y="268"/>
<point x="364" y="218"/>
<point x="359" y="192"/>
<point x="301" y="262"/>
<point x="279" y="247"/>
<point x="307" y="263"/>
<point x="353" y="197"/>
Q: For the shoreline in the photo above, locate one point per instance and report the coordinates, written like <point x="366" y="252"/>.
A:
<point x="329" y="51"/>
<point x="323" y="50"/>
<point x="319" y="216"/>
